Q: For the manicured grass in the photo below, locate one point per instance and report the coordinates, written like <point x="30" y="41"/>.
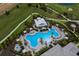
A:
<point x="9" y="22"/>
<point x="58" y="7"/>
<point x="61" y="9"/>
<point x="76" y="11"/>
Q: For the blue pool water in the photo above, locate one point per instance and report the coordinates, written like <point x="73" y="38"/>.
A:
<point x="33" y="39"/>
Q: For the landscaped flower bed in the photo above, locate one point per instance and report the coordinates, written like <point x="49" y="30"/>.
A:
<point x="63" y="42"/>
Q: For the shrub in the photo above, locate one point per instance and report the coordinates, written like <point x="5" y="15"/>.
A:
<point x="20" y="43"/>
<point x="7" y="12"/>
<point x="17" y="6"/>
<point x="63" y="42"/>
<point x="24" y="54"/>
<point x="29" y="4"/>
<point x="1" y="46"/>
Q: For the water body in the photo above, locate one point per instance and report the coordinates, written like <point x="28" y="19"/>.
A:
<point x="33" y="39"/>
<point x="67" y="4"/>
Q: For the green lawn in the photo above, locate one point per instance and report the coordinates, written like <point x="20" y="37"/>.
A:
<point x="61" y="9"/>
<point x="76" y="11"/>
<point x="9" y="22"/>
<point x="58" y="7"/>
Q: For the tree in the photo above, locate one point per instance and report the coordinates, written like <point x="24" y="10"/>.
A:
<point x="50" y="46"/>
<point x="22" y="47"/>
<point x="29" y="4"/>
<point x="65" y="14"/>
<point x="1" y="46"/>
<point x="7" y="12"/>
<point x="17" y="6"/>
<point x="37" y="6"/>
<point x="41" y="41"/>
<point x="43" y="7"/>
<point x="20" y="43"/>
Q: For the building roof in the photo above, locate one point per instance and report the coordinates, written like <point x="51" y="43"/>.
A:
<point x="69" y="50"/>
<point x="55" y="51"/>
<point x="39" y="22"/>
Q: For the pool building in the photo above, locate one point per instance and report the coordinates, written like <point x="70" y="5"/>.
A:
<point x="40" y="24"/>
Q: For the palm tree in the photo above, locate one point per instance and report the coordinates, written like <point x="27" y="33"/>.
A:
<point x="41" y="40"/>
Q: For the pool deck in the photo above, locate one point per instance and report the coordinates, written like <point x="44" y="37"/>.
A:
<point x="39" y="46"/>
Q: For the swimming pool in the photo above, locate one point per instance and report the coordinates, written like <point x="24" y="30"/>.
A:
<point x="34" y="39"/>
